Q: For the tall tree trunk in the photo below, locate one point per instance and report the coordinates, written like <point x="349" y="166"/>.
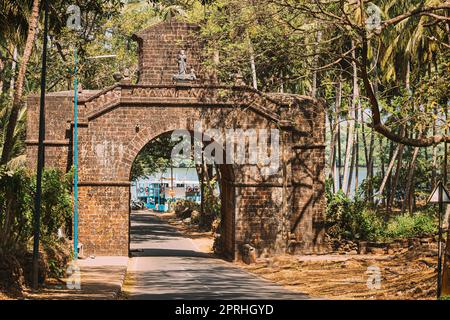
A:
<point x="334" y="138"/>
<point x="338" y="119"/>
<point x="370" y="163"/>
<point x="389" y="169"/>
<point x="338" y="135"/>
<point x="396" y="178"/>
<point x="408" y="77"/>
<point x="356" y="156"/>
<point x="332" y="149"/>
<point x="382" y="157"/>
<point x="335" y="169"/>
<point x="348" y="152"/>
<point x="445" y="173"/>
<point x="316" y="63"/>
<point x="351" y="127"/>
<point x="18" y="99"/>
<point x="252" y="63"/>
<point x="339" y="156"/>
<point x="346" y="165"/>
<point x="13" y="72"/>
<point x="352" y="165"/>
<point x="408" y="202"/>
<point x="364" y="139"/>
<point x="434" y="157"/>
<point x="370" y="166"/>
<point x="2" y="67"/>
<point x="389" y="179"/>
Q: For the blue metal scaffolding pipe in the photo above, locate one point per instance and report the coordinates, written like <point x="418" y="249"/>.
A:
<point x="75" y="161"/>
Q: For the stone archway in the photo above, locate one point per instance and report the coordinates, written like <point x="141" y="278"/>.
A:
<point x="226" y="242"/>
<point x="277" y="213"/>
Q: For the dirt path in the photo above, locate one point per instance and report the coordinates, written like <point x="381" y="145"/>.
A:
<point x="409" y="275"/>
<point x="101" y="279"/>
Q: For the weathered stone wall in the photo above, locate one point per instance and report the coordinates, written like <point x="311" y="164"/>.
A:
<point x="104" y="219"/>
<point x="108" y="149"/>
<point x="159" y="47"/>
<point x="308" y="179"/>
<point x="58" y="134"/>
<point x="58" y="108"/>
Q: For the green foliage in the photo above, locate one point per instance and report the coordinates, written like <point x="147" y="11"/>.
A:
<point x="114" y="36"/>
<point x="56" y="203"/>
<point x="351" y="219"/>
<point x="212" y="199"/>
<point x="55" y="268"/>
<point x="184" y="208"/>
<point x="406" y="226"/>
<point x="17" y="191"/>
<point x="16" y="203"/>
<point x="156" y="156"/>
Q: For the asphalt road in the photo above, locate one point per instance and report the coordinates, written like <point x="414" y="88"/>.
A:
<point x="166" y="265"/>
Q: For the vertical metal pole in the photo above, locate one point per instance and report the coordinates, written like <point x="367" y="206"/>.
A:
<point x="172" y="180"/>
<point x="159" y="195"/>
<point x="441" y="210"/>
<point x="75" y="160"/>
<point x="41" y="157"/>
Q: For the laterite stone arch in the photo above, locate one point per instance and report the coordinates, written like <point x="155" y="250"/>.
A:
<point x="282" y="212"/>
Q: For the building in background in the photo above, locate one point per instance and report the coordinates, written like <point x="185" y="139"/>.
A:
<point x="157" y="190"/>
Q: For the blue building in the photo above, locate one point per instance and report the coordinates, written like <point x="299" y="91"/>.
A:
<point x="161" y="188"/>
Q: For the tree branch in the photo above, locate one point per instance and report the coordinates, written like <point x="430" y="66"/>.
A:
<point x="418" y="11"/>
<point x="377" y="124"/>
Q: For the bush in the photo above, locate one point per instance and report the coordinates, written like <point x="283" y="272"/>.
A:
<point x="17" y="193"/>
<point x="16" y="209"/>
<point x="56" y="203"/>
<point x="183" y="208"/>
<point x="351" y="219"/>
<point x="371" y="225"/>
<point x="406" y="226"/>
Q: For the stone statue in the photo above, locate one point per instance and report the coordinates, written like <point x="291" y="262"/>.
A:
<point x="239" y="79"/>
<point x="124" y="77"/>
<point x="182" y="63"/>
<point x="192" y="74"/>
<point x="126" y="74"/>
<point x="117" y="76"/>
<point x="182" y="69"/>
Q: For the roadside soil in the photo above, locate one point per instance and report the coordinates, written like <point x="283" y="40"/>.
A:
<point x="3" y="296"/>
<point x="408" y="275"/>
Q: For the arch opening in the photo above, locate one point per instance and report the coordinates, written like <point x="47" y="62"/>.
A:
<point x="194" y="191"/>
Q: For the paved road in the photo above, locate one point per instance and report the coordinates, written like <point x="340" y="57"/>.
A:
<point x="166" y="265"/>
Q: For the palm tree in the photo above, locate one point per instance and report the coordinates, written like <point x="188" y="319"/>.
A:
<point x="167" y="12"/>
<point x="18" y="100"/>
<point x="412" y="43"/>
